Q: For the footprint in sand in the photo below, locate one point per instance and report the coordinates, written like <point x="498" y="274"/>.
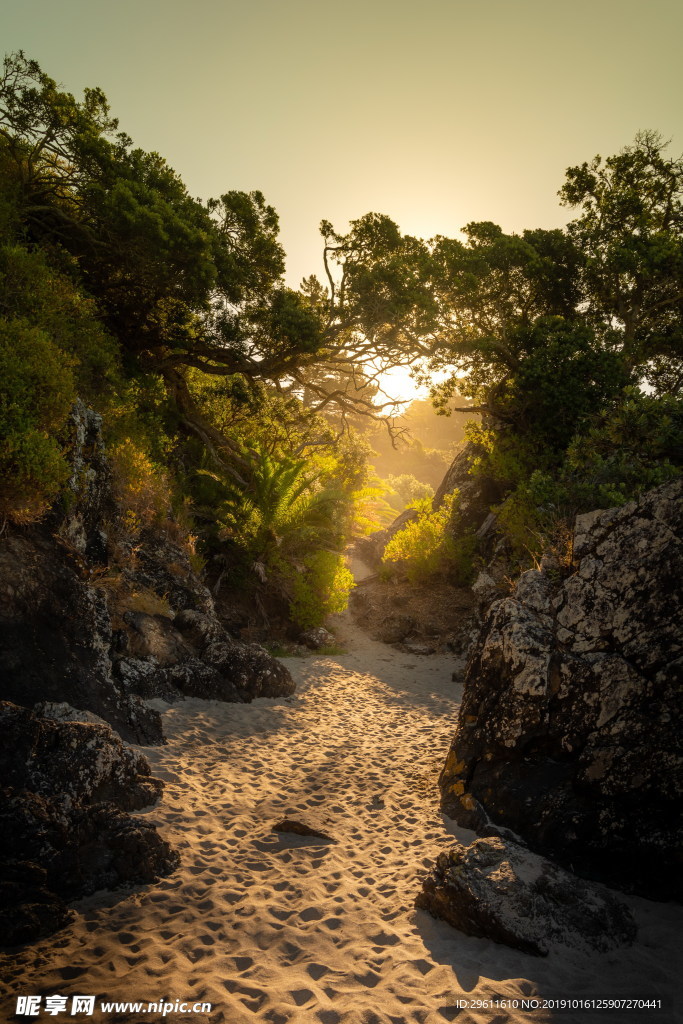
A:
<point x="251" y="929"/>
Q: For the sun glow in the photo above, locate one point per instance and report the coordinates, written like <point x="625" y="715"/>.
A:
<point x="398" y="384"/>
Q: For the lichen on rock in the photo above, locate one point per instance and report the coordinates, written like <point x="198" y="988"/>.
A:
<point x="64" y="830"/>
<point x="569" y="727"/>
<point x="497" y="889"/>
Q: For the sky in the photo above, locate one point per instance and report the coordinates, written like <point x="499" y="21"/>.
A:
<point x="435" y="112"/>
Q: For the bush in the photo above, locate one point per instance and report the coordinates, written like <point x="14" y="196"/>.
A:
<point x="37" y="393"/>
<point x="431" y="545"/>
<point x="141" y="487"/>
<point x="322" y="589"/>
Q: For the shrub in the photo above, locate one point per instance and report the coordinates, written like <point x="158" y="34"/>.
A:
<point x="38" y="390"/>
<point x="322" y="589"/>
<point x="425" y="546"/>
<point x="141" y="487"/>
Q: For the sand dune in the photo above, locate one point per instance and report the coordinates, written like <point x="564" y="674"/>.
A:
<point x="273" y="927"/>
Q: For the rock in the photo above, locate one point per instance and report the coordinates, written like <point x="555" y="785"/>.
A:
<point x="28" y="909"/>
<point x="56" y="636"/>
<point x="300" y="828"/>
<point x="57" y="601"/>
<point x="162" y="565"/>
<point x="569" y="727"/>
<point x="72" y="762"/>
<point x="65" y="713"/>
<point x="485" y="590"/>
<point x="476" y="493"/>
<point x="395" y="628"/>
<point x="154" y="637"/>
<point x="64" y="832"/>
<point x="497" y="889"/>
<point x="91" y="503"/>
<point x="194" y="655"/>
<point x="422" y="650"/>
<point x="317" y="638"/>
<point x="247" y="669"/>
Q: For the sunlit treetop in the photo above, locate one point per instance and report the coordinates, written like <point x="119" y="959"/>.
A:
<point x="510" y="319"/>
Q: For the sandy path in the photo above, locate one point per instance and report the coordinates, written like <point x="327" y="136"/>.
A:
<point x="274" y="928"/>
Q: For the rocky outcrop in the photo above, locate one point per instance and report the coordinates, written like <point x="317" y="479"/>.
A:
<point x="499" y="890"/>
<point x="62" y="592"/>
<point x="56" y="638"/>
<point x="569" y="730"/>
<point x="194" y="655"/>
<point x="66" y="786"/>
<point x="476" y="492"/>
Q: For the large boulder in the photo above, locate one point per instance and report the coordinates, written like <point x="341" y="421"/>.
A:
<point x="569" y="729"/>
<point x="71" y="762"/>
<point x="499" y="890"/>
<point x="66" y="786"/>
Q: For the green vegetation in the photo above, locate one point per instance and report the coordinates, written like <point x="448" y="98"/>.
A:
<point x="251" y="410"/>
<point x="433" y="543"/>
<point x="406" y="489"/>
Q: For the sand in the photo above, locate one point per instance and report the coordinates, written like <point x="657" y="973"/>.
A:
<point x="271" y="927"/>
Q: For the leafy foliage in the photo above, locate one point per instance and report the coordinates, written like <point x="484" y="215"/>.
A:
<point x="321" y="589"/>
<point x="38" y="391"/>
<point x="407" y="490"/>
<point x="225" y="390"/>
<point x="432" y="544"/>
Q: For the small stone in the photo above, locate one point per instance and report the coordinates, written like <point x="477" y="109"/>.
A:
<point x="316" y="638"/>
<point x="301" y="828"/>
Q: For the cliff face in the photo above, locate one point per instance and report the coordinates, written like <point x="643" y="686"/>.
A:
<point x="569" y="730"/>
<point x="62" y="639"/>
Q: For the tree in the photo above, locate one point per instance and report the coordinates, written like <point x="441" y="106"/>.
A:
<point x="185" y="284"/>
<point x="539" y="330"/>
<point x="630" y="235"/>
<point x="512" y="333"/>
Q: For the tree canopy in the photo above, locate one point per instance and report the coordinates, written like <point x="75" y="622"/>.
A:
<point x="114" y="280"/>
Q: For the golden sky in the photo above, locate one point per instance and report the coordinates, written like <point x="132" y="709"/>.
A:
<point x="436" y="112"/>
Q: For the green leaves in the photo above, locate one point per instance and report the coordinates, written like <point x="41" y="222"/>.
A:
<point x="37" y="393"/>
<point x="630" y="233"/>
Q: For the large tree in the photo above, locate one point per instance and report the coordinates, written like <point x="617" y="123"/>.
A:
<point x="183" y="282"/>
<point x="630" y="235"/>
<point x="538" y="329"/>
